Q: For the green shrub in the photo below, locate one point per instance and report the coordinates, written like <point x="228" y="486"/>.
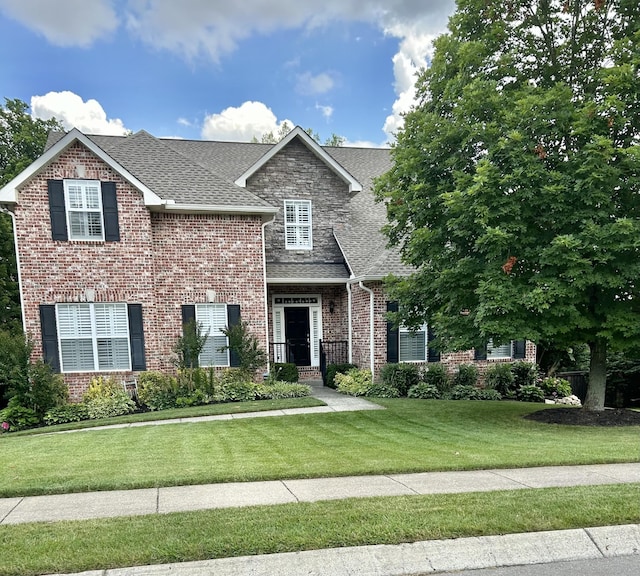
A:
<point x="467" y="375"/>
<point x="356" y="382"/>
<point x="280" y="390"/>
<point x="424" y="391"/>
<point x="530" y="394"/>
<point x="158" y="391"/>
<point x="195" y="397"/>
<point x="524" y="374"/>
<point x="462" y="392"/>
<point x="234" y="385"/>
<point x="437" y="375"/>
<point x="18" y="417"/>
<point x="333" y="369"/>
<point x="66" y="413"/>
<point x="106" y="398"/>
<point x="499" y="377"/>
<point x="490" y="394"/>
<point x="382" y="390"/>
<point x="245" y="346"/>
<point x="400" y="376"/>
<point x="285" y="372"/>
<point x="558" y="387"/>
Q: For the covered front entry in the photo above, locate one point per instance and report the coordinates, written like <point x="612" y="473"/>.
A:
<point x="297" y="329"/>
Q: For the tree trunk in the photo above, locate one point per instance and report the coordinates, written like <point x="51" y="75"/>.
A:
<point x="597" y="376"/>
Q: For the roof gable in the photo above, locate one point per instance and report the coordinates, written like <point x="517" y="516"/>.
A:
<point x="314" y="147"/>
<point x="9" y="192"/>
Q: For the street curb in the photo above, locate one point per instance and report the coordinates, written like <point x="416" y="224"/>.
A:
<point x="414" y="559"/>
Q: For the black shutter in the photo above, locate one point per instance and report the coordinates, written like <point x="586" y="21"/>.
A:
<point x="233" y="319"/>
<point x="189" y="315"/>
<point x="57" y="211"/>
<point x="433" y="355"/>
<point x="393" y="336"/>
<point x="110" y="212"/>
<point x="480" y="353"/>
<point x="519" y="349"/>
<point x="136" y="337"/>
<point x="49" y="331"/>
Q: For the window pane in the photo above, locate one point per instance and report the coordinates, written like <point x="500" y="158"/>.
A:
<point x="211" y="355"/>
<point x="213" y="317"/>
<point x="75" y="196"/>
<point x="77" y="355"/>
<point x="503" y="351"/>
<point x="111" y="320"/>
<point x="92" y="197"/>
<point x="74" y="320"/>
<point x="412" y="346"/>
<point x="113" y="354"/>
<point x="94" y="224"/>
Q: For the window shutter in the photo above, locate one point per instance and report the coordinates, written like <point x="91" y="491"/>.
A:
<point x="393" y="336"/>
<point x="433" y="355"/>
<point x="136" y="337"/>
<point x="110" y="212"/>
<point x="57" y="210"/>
<point x="189" y="315"/>
<point x="233" y="319"/>
<point x="480" y="353"/>
<point x="519" y="349"/>
<point x="49" y="332"/>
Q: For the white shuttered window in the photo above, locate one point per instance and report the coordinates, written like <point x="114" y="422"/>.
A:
<point x="213" y="317"/>
<point x="93" y="337"/>
<point x="297" y="224"/>
<point x="413" y="345"/>
<point x="83" y="200"/>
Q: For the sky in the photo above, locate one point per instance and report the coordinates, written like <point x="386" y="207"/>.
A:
<point x="228" y="70"/>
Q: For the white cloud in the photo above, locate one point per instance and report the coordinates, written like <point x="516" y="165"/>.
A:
<point x="72" y="112"/>
<point x="241" y="124"/>
<point x="327" y="111"/>
<point x="64" y="22"/>
<point x="308" y="84"/>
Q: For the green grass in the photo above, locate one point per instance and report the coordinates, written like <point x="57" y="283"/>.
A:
<point x="191" y="412"/>
<point x="31" y="549"/>
<point x="410" y="436"/>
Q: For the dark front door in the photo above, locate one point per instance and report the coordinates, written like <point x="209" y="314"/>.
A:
<point x="296" y="322"/>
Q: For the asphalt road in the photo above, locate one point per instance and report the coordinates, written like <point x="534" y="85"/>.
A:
<point x="620" y="566"/>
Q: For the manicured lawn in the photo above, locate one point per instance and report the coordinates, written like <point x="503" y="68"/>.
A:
<point x="64" y="547"/>
<point x="410" y="436"/>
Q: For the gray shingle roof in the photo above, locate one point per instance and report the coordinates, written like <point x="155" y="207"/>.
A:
<point x="199" y="172"/>
<point x="315" y="271"/>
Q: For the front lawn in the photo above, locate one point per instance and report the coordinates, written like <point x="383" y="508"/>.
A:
<point x="409" y="436"/>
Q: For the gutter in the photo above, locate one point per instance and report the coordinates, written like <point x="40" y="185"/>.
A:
<point x="5" y="210"/>
<point x="371" y="330"/>
<point x="266" y="291"/>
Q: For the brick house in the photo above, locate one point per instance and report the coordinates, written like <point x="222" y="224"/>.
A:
<point x="120" y="240"/>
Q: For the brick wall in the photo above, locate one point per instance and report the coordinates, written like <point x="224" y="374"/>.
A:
<point x="295" y="173"/>
<point x="162" y="261"/>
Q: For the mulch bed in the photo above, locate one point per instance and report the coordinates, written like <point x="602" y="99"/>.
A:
<point x="580" y="417"/>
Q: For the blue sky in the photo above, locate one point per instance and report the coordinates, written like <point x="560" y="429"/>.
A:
<point x="219" y="69"/>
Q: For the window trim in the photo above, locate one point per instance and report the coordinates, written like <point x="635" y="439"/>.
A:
<point x="298" y="226"/>
<point x="94" y="336"/>
<point x="69" y="210"/>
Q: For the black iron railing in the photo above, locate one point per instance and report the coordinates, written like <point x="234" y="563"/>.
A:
<point x="332" y="352"/>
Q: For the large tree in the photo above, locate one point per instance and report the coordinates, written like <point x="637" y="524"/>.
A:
<point x="22" y="140"/>
<point x="515" y="186"/>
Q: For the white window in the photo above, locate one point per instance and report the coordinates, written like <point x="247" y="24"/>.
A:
<point x="413" y="345"/>
<point x="499" y="352"/>
<point x="212" y="318"/>
<point x="93" y="337"/>
<point x="297" y="224"/>
<point x="83" y="203"/>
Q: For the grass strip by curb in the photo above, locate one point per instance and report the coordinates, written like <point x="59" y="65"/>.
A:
<point x="38" y="548"/>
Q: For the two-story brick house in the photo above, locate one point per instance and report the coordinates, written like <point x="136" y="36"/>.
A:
<point x="121" y="240"/>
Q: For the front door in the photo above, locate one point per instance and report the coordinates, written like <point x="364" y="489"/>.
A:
<point x="297" y="331"/>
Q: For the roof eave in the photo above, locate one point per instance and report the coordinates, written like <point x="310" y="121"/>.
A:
<point x="307" y="280"/>
<point x="171" y="206"/>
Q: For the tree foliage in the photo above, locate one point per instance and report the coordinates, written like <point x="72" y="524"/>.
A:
<point x="515" y="189"/>
<point x="22" y="140"/>
<point x="285" y="128"/>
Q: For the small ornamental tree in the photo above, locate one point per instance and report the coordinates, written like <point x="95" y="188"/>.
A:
<point x="515" y="186"/>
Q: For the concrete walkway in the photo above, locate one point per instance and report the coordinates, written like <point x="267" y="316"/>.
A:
<point x="377" y="560"/>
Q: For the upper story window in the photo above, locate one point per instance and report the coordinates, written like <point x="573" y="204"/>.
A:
<point x="83" y="201"/>
<point x="297" y="224"/>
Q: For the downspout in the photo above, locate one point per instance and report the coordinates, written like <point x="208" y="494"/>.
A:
<point x="350" y="324"/>
<point x="266" y="294"/>
<point x="371" y="331"/>
<point x="15" y="245"/>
